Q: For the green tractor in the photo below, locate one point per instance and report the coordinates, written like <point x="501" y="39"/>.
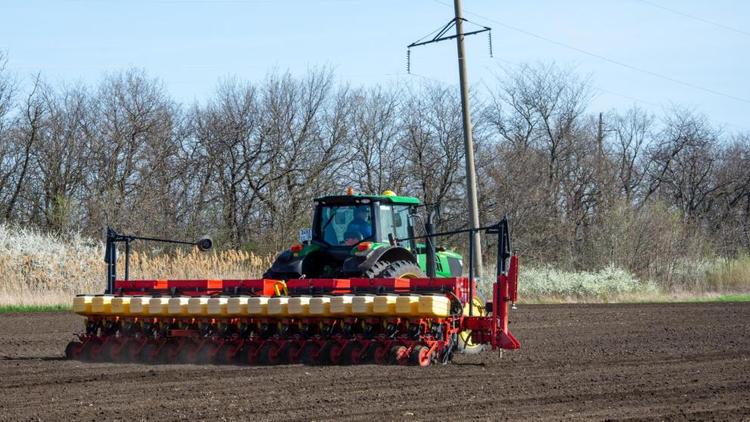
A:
<point x="364" y="236"/>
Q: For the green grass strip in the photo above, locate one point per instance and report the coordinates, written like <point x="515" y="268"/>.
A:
<point x="656" y="298"/>
<point x="722" y="298"/>
<point x="33" y="308"/>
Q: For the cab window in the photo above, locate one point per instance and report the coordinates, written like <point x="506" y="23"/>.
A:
<point x="401" y="221"/>
<point x="345" y="225"/>
<point x="394" y="220"/>
<point x="386" y="222"/>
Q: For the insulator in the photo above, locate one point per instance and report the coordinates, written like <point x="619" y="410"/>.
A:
<point x="408" y="60"/>
<point x="489" y="38"/>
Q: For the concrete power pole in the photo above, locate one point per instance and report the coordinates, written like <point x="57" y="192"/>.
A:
<point x="471" y="176"/>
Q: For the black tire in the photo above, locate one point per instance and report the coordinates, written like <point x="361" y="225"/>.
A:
<point x="416" y="358"/>
<point x="324" y="354"/>
<point x="368" y="355"/>
<point x="224" y="356"/>
<point x="148" y="354"/>
<point x="400" y="269"/>
<point x="396" y="352"/>
<point x="71" y="350"/>
<point x="249" y="355"/>
<point x="309" y="354"/>
<point x="107" y="352"/>
<point x="205" y="356"/>
<point x="173" y="353"/>
<point x="90" y="351"/>
<point x="288" y="353"/>
<point x="129" y="352"/>
<point x="347" y="353"/>
<point x="266" y="354"/>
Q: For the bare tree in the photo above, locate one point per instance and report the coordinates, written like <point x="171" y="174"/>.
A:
<point x="231" y="155"/>
<point x="545" y="150"/>
<point x="685" y="162"/>
<point x="304" y="121"/>
<point x="432" y="146"/>
<point x="376" y="162"/>
<point x="8" y="161"/>
<point x="133" y="120"/>
<point x="61" y="156"/>
<point x="24" y="138"/>
<point x="632" y="136"/>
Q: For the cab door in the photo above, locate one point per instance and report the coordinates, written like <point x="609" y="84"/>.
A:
<point x="394" y="220"/>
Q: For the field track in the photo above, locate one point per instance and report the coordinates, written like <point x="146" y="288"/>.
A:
<point x="654" y="361"/>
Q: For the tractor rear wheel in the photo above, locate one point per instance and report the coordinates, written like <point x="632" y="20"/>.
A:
<point x="400" y="269"/>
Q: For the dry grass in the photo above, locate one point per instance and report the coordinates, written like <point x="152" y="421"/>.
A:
<point x="730" y="275"/>
<point x="195" y="264"/>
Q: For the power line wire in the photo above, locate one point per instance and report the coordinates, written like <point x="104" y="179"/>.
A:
<point x="697" y="18"/>
<point x="607" y="59"/>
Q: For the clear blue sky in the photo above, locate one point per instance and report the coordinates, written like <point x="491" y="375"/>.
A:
<point x="192" y="44"/>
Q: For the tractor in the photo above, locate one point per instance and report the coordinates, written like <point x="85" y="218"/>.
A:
<point x="368" y="236"/>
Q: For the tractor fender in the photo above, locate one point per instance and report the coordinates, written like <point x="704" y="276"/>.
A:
<point x="287" y="263"/>
<point x="390" y="254"/>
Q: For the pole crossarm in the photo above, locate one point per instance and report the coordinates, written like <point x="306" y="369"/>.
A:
<point x="440" y="36"/>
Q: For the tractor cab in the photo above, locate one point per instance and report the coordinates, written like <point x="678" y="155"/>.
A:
<point x="345" y="221"/>
<point x="370" y="236"/>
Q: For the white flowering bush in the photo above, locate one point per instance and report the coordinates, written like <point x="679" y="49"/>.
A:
<point x="610" y="281"/>
<point x="547" y="283"/>
<point x="44" y="269"/>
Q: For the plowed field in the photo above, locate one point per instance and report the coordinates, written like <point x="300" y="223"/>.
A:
<point x="665" y="361"/>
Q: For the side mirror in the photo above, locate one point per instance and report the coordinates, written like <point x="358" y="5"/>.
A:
<point x="204" y="243"/>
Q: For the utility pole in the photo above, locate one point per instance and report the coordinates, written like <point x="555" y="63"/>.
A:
<point x="471" y="177"/>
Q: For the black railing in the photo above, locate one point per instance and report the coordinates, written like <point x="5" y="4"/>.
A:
<point x="501" y="229"/>
<point x="110" y="252"/>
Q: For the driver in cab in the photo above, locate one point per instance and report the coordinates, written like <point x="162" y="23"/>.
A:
<point x="359" y="228"/>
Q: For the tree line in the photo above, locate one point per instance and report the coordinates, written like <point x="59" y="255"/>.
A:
<point x="583" y="189"/>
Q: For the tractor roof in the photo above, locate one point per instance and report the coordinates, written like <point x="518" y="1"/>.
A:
<point x="358" y="199"/>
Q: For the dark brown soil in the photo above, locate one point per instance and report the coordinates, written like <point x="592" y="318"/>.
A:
<point x="675" y="362"/>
